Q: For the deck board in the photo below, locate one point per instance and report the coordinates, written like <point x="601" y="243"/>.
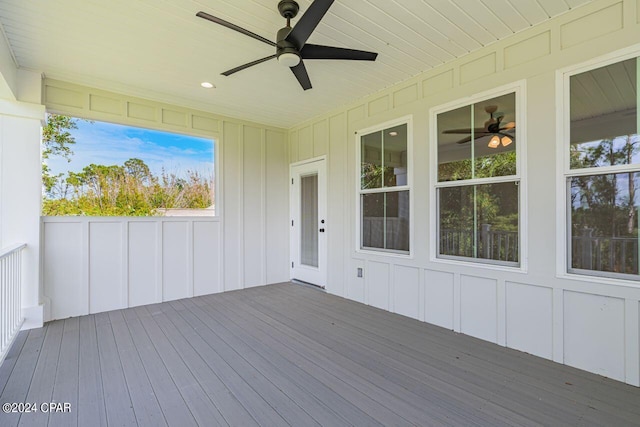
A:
<point x="326" y="387"/>
<point x="408" y="400"/>
<point x="10" y="361"/>
<point x="201" y="390"/>
<point x="65" y="386"/>
<point x="118" y="404"/>
<point x="556" y="386"/>
<point x="173" y="405"/>
<point x="291" y="355"/>
<point x="41" y="388"/>
<point x="524" y="393"/>
<point x="143" y="396"/>
<point x="255" y="403"/>
<point x="207" y="327"/>
<point x="554" y="383"/>
<point x="19" y="382"/>
<point x="91" y="409"/>
<point x="383" y="399"/>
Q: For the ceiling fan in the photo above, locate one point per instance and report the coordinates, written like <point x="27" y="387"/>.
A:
<point x="493" y="126"/>
<point x="291" y="43"/>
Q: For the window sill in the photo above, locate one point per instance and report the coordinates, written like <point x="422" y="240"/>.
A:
<point x="385" y="253"/>
<point x="521" y="269"/>
<point x="600" y="280"/>
<point x="84" y="218"/>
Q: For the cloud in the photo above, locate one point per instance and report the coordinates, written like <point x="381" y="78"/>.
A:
<point x="108" y="144"/>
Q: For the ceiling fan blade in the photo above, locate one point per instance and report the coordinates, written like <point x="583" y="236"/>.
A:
<point x="465" y="131"/>
<point x="234" y="27"/>
<point x="250" y="64"/>
<point x="314" y="51"/>
<point x="507" y="135"/>
<point x="308" y="22"/>
<point x="301" y="74"/>
<point x="509" y="125"/>
<point x="464" y="140"/>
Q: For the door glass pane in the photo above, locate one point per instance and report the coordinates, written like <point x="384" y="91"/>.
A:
<point x="309" y="220"/>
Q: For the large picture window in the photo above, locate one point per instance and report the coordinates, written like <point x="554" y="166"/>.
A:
<point x="477" y="189"/>
<point x="93" y="168"/>
<point x="603" y="171"/>
<point x="384" y="189"/>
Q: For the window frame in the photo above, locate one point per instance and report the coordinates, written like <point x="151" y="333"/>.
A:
<point x="405" y="120"/>
<point x="519" y="90"/>
<point x="214" y="137"/>
<point x="565" y="173"/>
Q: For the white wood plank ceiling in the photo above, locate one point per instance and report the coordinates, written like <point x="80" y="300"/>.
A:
<point x="159" y="49"/>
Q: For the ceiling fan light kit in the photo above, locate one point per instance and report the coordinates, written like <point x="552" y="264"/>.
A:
<point x="494" y="142"/>
<point x="288" y="59"/>
<point x="291" y="43"/>
<point x="493" y="126"/>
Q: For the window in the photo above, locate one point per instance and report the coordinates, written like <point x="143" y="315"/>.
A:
<point x="478" y="181"/>
<point x="603" y="171"/>
<point x="384" y="189"/>
<point x="94" y="168"/>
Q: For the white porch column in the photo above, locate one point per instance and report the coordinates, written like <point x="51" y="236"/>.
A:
<point x="20" y="191"/>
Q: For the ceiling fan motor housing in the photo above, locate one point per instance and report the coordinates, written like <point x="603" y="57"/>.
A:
<point x="282" y="45"/>
<point x="288" y="9"/>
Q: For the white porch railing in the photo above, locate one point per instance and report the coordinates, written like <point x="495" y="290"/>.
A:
<point x="10" y="300"/>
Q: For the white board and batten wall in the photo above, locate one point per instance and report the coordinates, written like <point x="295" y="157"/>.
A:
<point x="591" y="324"/>
<point x="96" y="264"/>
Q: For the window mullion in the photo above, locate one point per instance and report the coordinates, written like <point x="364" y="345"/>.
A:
<point x="385" y="190"/>
<point x="473" y="143"/>
<point x="475" y="221"/>
<point x="382" y="158"/>
<point x="603" y="170"/>
<point x="384" y="221"/>
<point x="478" y="181"/>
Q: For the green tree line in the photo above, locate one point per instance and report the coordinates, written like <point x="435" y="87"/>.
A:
<point x="604" y="202"/>
<point x="130" y="189"/>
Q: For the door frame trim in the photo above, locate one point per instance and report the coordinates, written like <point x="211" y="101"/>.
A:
<point x="304" y="162"/>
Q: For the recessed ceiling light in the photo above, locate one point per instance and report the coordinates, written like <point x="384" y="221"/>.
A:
<point x="394" y="133"/>
<point x="207" y="85"/>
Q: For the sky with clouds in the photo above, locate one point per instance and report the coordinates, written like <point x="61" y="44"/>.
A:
<point x="109" y="144"/>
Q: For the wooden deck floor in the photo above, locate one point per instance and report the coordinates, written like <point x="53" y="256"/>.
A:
<point x="289" y="355"/>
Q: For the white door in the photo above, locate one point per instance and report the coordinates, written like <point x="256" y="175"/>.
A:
<point x="309" y="227"/>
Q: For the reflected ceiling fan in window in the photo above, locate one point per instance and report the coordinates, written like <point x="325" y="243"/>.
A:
<point x="493" y="127"/>
<point x="291" y="43"/>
